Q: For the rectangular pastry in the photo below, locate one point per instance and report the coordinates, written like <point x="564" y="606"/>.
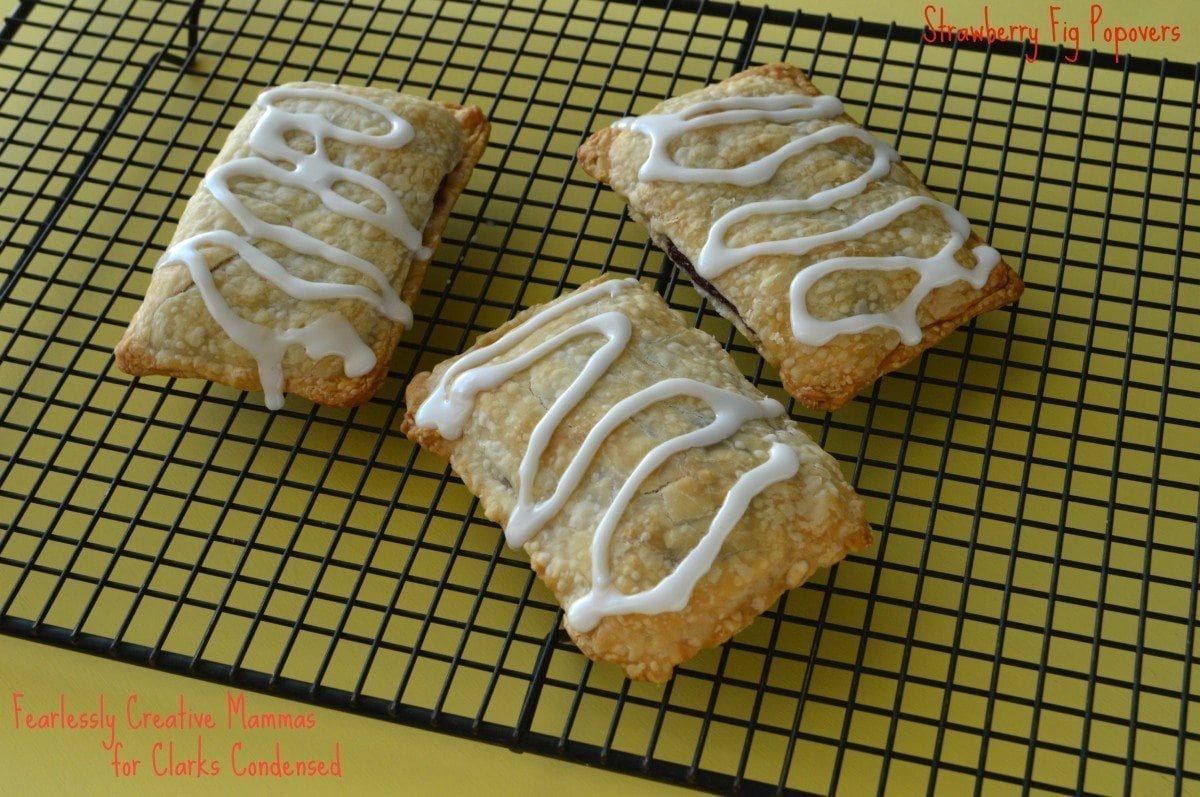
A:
<point x="801" y="228"/>
<point x="661" y="497"/>
<point x="294" y="263"/>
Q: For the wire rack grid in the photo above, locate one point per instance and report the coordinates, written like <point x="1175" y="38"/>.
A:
<point x="1027" y="617"/>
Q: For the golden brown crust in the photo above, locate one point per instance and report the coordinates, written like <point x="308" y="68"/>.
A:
<point x="754" y="295"/>
<point x="790" y="529"/>
<point x="593" y="153"/>
<point x="476" y="130"/>
<point x="173" y="334"/>
<point x="1003" y="287"/>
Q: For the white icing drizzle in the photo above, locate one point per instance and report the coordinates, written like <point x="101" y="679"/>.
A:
<point x="716" y="257"/>
<point x="331" y="334"/>
<point x="675" y="590"/>
<point x="782" y="109"/>
<point x="452" y="399"/>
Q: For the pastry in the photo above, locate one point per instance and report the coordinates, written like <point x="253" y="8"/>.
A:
<point x="294" y="263"/>
<point x="661" y="497"/>
<point x="801" y="228"/>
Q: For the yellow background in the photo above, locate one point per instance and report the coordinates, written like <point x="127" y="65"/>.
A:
<point x="378" y="756"/>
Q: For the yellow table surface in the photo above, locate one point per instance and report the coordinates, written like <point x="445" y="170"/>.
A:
<point x="376" y="756"/>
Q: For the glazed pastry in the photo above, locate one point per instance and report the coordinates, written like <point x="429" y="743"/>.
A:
<point x="801" y="228"/>
<point x="662" y="498"/>
<point x="294" y="264"/>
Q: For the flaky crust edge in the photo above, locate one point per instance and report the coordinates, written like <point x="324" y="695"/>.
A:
<point x="649" y="647"/>
<point x="135" y="357"/>
<point x="1003" y="287"/>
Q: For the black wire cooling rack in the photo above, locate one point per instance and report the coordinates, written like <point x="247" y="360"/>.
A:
<point x="1027" y="616"/>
